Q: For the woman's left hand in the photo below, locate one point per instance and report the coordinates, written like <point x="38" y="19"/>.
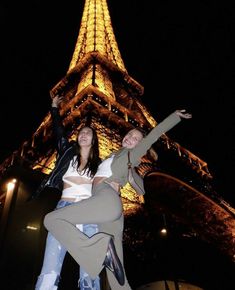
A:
<point x="183" y="114"/>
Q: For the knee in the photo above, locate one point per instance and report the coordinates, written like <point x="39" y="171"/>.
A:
<point x="47" y="221"/>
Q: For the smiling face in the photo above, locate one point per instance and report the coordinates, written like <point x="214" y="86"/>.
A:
<point x="85" y="137"/>
<point x="132" y="138"/>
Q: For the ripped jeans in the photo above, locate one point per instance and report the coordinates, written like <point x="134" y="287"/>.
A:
<point x="54" y="257"/>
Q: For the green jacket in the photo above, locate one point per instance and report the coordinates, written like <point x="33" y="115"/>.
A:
<point x="119" y="165"/>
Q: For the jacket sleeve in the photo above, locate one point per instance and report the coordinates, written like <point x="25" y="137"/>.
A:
<point x="58" y="131"/>
<point x="141" y="149"/>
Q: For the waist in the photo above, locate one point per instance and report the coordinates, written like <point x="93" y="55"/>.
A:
<point x="70" y="199"/>
<point x="115" y="185"/>
<point x="76" y="193"/>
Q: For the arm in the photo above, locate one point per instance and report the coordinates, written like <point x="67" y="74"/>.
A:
<point x="57" y="125"/>
<point x="61" y="140"/>
<point x="167" y="124"/>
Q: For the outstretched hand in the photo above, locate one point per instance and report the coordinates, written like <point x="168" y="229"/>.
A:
<point x="183" y="114"/>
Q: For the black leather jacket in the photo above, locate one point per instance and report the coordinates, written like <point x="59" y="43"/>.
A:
<point x="65" y="152"/>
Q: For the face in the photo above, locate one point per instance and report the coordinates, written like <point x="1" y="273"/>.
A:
<point x="132" y="138"/>
<point x="85" y="137"/>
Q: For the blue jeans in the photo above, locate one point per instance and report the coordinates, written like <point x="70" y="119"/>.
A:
<point x="53" y="261"/>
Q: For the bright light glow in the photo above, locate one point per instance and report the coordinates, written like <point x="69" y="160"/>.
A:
<point x="163" y="231"/>
<point x="10" y="185"/>
<point x="31" y="228"/>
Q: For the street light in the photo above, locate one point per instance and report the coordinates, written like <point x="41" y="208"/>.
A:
<point x="163" y="230"/>
<point x="6" y="208"/>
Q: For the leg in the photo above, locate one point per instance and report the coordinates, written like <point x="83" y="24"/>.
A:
<point x="52" y="261"/>
<point x="116" y="229"/>
<point x="52" y="264"/>
<point x="86" y="283"/>
<point x="103" y="207"/>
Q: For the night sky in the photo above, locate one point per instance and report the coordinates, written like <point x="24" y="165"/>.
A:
<point x="180" y="51"/>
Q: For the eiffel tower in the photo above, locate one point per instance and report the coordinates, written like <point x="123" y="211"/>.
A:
<point x="98" y="90"/>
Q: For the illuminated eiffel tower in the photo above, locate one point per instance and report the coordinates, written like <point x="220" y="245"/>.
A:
<point x="98" y="90"/>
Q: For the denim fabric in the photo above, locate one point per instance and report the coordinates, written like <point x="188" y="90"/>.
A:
<point x="53" y="261"/>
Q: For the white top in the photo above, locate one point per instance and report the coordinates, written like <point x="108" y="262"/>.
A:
<point x="80" y="183"/>
<point x="104" y="168"/>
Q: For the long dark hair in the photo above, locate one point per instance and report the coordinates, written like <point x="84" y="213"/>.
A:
<point x="93" y="158"/>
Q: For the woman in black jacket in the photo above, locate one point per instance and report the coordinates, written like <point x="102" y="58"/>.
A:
<point x="76" y="165"/>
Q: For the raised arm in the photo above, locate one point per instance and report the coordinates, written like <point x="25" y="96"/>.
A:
<point x="57" y="125"/>
<point x="161" y="128"/>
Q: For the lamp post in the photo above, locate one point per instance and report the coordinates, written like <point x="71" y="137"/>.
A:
<point x="6" y="208"/>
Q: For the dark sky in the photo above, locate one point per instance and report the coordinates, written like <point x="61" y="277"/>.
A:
<point x="180" y="51"/>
